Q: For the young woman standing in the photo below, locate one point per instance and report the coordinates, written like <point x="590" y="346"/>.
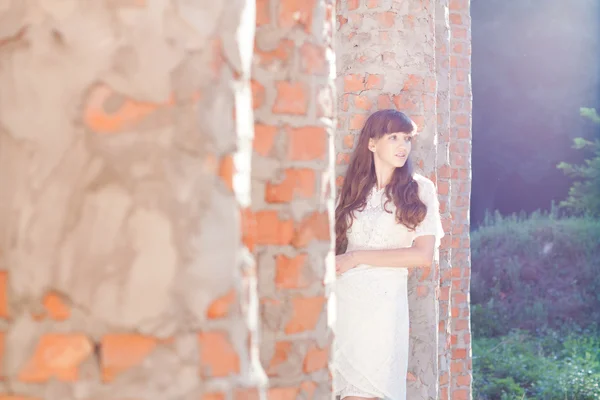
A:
<point x="387" y="221"/>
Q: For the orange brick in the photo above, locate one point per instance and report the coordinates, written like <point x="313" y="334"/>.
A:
<point x="313" y="227"/>
<point x="372" y="3"/>
<point x="262" y="12"/>
<point x="445" y="293"/>
<point x="354" y="83"/>
<point x="300" y="182"/>
<point x="272" y="230"/>
<point x="405" y="102"/>
<point x="374" y="81"/>
<point x="444" y="378"/>
<point x="227" y="170"/>
<point x="459" y="354"/>
<point x="419" y="120"/>
<point x="414" y="82"/>
<point x="121" y="352"/>
<point x="307" y="143"/>
<point x="357" y="121"/>
<point x="306" y="313"/>
<point x="3" y="294"/>
<point x="453" y="340"/>
<point x="258" y="94"/>
<point x="343" y="159"/>
<point x="217" y="356"/>
<point x="57" y="356"/>
<point x="264" y="138"/>
<point x="460" y="394"/>
<point x="313" y="59"/>
<point x="282" y="352"/>
<point x="463" y="380"/>
<point x="213" y="396"/>
<point x="459" y="33"/>
<point x="349" y="141"/>
<point x="289" y="272"/>
<point x="292" y="98"/>
<point x="459" y="298"/>
<point x="384" y="102"/>
<point x="316" y="359"/>
<point x="443" y="188"/>
<point x="363" y="102"/>
<point x="461" y="120"/>
<point x="352" y="4"/>
<point x="100" y="116"/>
<point x="16" y="397"/>
<point x="248" y="225"/>
<point x="387" y="19"/>
<point x="458" y="48"/>
<point x="457" y="366"/>
<point x="281" y="54"/>
<point x="296" y="12"/>
<point x="467" y="338"/>
<point x="444" y="394"/>
<point x="284" y="393"/>
<point x="221" y="306"/>
<point x="247" y="394"/>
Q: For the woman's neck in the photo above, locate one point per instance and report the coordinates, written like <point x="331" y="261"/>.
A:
<point x="383" y="173"/>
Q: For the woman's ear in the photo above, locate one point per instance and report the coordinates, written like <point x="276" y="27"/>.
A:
<point x="372" y="145"/>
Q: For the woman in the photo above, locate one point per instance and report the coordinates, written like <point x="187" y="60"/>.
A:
<point x="387" y="221"/>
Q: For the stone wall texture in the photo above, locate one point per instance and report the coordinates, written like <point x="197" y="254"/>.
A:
<point x="167" y="180"/>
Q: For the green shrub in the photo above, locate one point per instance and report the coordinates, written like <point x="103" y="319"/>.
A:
<point x="534" y="273"/>
<point x="549" y="367"/>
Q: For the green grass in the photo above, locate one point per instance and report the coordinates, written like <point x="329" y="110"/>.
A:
<point x="549" y="366"/>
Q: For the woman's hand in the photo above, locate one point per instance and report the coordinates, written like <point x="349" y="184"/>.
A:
<point x="344" y="262"/>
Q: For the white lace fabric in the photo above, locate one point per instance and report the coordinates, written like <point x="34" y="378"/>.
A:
<point x="371" y="346"/>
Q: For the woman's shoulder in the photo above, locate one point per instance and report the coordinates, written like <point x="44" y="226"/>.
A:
<point x="425" y="184"/>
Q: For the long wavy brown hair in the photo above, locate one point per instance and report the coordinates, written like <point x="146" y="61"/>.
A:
<point x="360" y="179"/>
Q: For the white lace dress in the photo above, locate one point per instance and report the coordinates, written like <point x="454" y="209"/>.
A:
<point x="371" y="330"/>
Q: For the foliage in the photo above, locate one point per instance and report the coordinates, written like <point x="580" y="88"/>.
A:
<point x="533" y="272"/>
<point x="584" y="194"/>
<point x="550" y="366"/>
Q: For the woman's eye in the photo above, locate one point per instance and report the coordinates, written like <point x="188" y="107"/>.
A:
<point x="393" y="137"/>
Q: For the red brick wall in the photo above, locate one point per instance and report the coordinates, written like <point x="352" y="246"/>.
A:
<point x="152" y="246"/>
<point x="460" y="162"/>
<point x="292" y="188"/>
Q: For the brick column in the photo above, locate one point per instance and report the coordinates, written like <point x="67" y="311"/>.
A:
<point x="460" y="161"/>
<point x="386" y="59"/>
<point x="292" y="192"/>
<point x="442" y="61"/>
<point x="124" y="274"/>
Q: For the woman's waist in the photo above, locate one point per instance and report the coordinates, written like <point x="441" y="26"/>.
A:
<point x="377" y="272"/>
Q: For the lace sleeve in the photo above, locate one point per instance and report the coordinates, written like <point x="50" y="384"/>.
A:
<point x="432" y="224"/>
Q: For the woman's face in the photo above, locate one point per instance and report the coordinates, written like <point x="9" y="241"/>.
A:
<point x="392" y="149"/>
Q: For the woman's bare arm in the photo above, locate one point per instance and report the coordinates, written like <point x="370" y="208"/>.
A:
<point x="419" y="255"/>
